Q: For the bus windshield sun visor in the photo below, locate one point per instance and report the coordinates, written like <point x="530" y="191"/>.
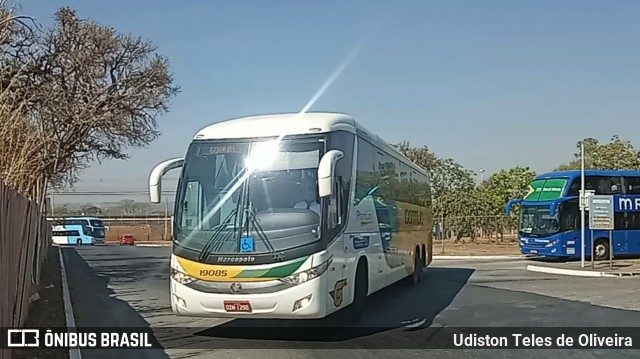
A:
<point x="553" y="207"/>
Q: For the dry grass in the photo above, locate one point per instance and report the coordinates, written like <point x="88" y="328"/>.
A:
<point x="142" y="233"/>
<point x="479" y="247"/>
<point x="48" y="311"/>
<point x="155" y="232"/>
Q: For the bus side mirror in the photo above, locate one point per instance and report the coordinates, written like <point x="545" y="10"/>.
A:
<point x="326" y="172"/>
<point x="510" y="205"/>
<point x="155" y="178"/>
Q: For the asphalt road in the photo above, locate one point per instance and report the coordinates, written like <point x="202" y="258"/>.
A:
<point x="128" y="287"/>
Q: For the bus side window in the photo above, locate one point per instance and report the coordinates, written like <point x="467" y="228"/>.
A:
<point x="335" y="204"/>
<point x="633" y="220"/>
<point x="569" y="216"/>
<point x="601" y="185"/>
<point x="632" y="185"/>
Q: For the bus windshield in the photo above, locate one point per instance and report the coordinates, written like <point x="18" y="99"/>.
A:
<point x="535" y="221"/>
<point x="224" y="208"/>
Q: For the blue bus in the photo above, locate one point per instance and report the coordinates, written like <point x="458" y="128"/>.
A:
<point x="549" y="223"/>
<point x="90" y="227"/>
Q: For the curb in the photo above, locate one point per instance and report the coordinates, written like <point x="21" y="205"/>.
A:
<point x="74" y="353"/>
<point x="479" y="257"/>
<point x="153" y="245"/>
<point x="579" y="273"/>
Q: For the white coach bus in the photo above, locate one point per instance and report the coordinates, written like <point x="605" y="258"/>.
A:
<point x="293" y="216"/>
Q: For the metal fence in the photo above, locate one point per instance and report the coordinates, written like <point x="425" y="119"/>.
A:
<point x="158" y="228"/>
<point x="456" y="228"/>
<point x="24" y="239"/>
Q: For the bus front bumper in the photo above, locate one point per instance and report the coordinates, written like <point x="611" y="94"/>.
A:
<point x="303" y="301"/>
<point x="555" y="251"/>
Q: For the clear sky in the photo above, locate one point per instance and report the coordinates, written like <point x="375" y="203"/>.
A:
<point x="492" y="84"/>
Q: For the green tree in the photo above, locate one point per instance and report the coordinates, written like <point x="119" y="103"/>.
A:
<point x="446" y="175"/>
<point x="501" y="187"/>
<point x="618" y="154"/>
<point x="451" y="184"/>
<point x="511" y="183"/>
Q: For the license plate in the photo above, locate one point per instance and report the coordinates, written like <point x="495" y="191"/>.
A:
<point x="534" y="251"/>
<point x="244" y="307"/>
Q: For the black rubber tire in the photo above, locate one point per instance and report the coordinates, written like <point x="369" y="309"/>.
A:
<point x="601" y="249"/>
<point x="353" y="313"/>
<point x="416" y="276"/>
<point x="79" y="242"/>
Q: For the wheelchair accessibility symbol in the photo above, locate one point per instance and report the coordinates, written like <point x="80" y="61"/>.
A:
<point x="247" y="244"/>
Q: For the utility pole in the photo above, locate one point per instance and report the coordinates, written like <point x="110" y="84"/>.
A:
<point x="583" y="199"/>
<point x="442" y="230"/>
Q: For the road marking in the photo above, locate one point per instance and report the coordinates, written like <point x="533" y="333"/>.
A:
<point x="74" y="353"/>
<point x="480" y="257"/>
<point x="575" y="272"/>
<point x="413" y="323"/>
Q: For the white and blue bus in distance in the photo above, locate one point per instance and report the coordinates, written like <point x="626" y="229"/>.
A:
<point x="550" y="215"/>
<point x="92" y="229"/>
<point x="73" y="235"/>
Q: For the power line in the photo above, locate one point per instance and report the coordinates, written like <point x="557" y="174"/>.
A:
<point x="104" y="193"/>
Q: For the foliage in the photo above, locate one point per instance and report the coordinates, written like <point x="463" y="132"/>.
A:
<point x="510" y="184"/>
<point x="618" y="154"/>
<point x="125" y="207"/>
<point x="467" y="209"/>
<point x="75" y="93"/>
<point x="446" y="175"/>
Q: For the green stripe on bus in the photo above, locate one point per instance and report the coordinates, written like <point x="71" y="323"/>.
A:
<point x="276" y="272"/>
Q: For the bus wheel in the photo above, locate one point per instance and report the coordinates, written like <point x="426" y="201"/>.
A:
<point x="416" y="277"/>
<point x="353" y="312"/>
<point x="79" y="241"/>
<point x="601" y="249"/>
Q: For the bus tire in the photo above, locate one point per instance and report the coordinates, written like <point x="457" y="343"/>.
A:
<point x="79" y="242"/>
<point x="354" y="311"/>
<point x="601" y="249"/>
<point x="416" y="277"/>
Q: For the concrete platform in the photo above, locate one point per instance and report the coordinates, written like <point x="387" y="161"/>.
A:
<point x="620" y="268"/>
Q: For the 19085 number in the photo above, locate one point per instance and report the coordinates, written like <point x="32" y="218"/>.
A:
<point x="213" y="272"/>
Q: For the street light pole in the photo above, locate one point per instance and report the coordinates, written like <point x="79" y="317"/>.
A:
<point x="582" y="204"/>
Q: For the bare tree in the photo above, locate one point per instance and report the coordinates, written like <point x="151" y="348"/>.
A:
<point x="90" y="94"/>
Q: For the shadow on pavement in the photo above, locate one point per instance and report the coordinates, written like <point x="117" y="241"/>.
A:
<point x="395" y="307"/>
<point x="95" y="306"/>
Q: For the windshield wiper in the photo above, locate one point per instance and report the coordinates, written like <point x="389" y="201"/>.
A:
<point x="252" y="221"/>
<point x="216" y="239"/>
<point x="263" y="236"/>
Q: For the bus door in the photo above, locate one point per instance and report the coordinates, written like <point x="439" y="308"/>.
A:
<point x="75" y="237"/>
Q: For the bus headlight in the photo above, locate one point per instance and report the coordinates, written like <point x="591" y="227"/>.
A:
<point x="551" y="244"/>
<point x="180" y="277"/>
<point x="307" y="275"/>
